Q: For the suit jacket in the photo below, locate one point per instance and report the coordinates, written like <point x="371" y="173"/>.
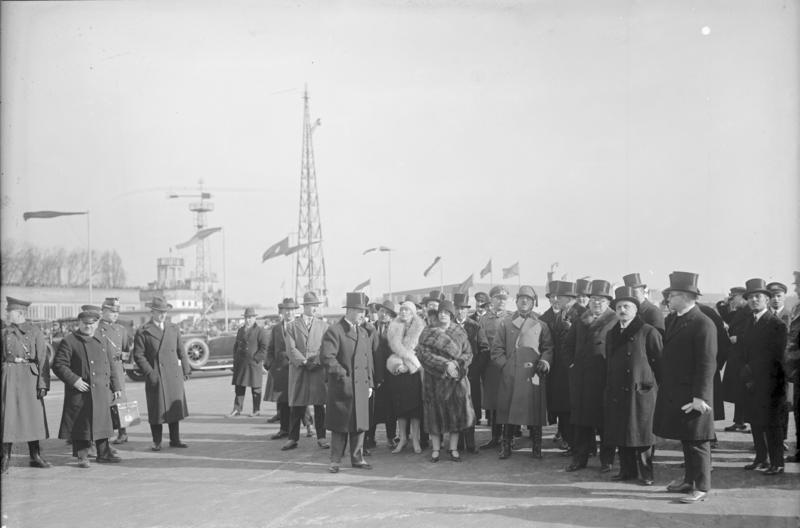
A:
<point x="688" y="363"/>
<point x="763" y="344"/>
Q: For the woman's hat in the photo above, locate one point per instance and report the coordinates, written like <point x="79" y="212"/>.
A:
<point x="448" y="306"/>
<point x="413" y="300"/>
<point x="390" y="307"/>
<point x="624" y="293"/>
<point x="159" y="304"/>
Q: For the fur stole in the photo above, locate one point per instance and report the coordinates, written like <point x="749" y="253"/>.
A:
<point x="403" y="338"/>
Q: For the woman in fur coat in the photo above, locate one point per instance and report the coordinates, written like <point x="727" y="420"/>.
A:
<point x="445" y="354"/>
<point x="405" y="384"/>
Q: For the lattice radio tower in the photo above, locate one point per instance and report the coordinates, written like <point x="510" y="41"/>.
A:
<point x="310" y="263"/>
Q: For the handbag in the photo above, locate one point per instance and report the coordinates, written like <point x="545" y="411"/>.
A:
<point x="125" y="414"/>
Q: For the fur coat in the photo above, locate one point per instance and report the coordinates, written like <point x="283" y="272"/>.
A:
<point x="403" y="338"/>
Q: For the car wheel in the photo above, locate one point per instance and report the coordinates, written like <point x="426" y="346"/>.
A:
<point x="197" y="352"/>
<point x="135" y="374"/>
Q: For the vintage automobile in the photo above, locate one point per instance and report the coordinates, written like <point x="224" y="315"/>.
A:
<point x="205" y="353"/>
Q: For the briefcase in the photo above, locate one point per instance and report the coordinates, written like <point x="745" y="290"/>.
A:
<point x="125" y="414"/>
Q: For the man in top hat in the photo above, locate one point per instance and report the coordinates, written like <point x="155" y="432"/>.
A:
<point x="26" y="380"/>
<point x="523" y="351"/>
<point x="480" y="357"/>
<point x="583" y="289"/>
<point x="490" y="378"/>
<point x="736" y="316"/>
<point x="648" y="312"/>
<point x="380" y="404"/>
<point x="120" y="341"/>
<point x="346" y="355"/>
<point x="684" y="404"/>
<point x="763" y="343"/>
<point x="84" y="362"/>
<point x="306" y="377"/>
<point x="249" y="352"/>
<point x="277" y="365"/>
<point x="481" y="306"/>
<point x="792" y="365"/>
<point x="159" y="354"/>
<point x="587" y="376"/>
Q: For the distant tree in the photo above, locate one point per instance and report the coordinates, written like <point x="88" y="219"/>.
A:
<point x="28" y="265"/>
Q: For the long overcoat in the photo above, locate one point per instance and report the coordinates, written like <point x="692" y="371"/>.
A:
<point x="763" y="344"/>
<point x="652" y="315"/>
<point x="587" y="375"/>
<point x="491" y="376"/>
<point x="688" y="363"/>
<point x="249" y="352"/>
<point x="86" y="415"/>
<point x="25" y="371"/>
<point x="723" y="350"/>
<point x="306" y="380"/>
<point x="163" y="361"/>
<point x="277" y="364"/>
<point x="558" y="378"/>
<point x="633" y="358"/>
<point x="732" y="386"/>
<point x="346" y="355"/>
<point x="520" y="340"/>
<point x="382" y="379"/>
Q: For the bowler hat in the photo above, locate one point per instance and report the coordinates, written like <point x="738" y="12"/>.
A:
<point x="683" y="281"/>
<point x="756" y="286"/>
<point x="448" y="306"/>
<point x="461" y="300"/>
<point x="356" y="301"/>
<point x="249" y="312"/>
<point x="159" y="304"/>
<point x="624" y="293"/>
<point x="527" y="291"/>
<point x="311" y="298"/>
<point x="775" y="286"/>
<point x="89" y="313"/>
<point x="633" y="280"/>
<point x="112" y="303"/>
<point x="481" y="298"/>
<point x="583" y="286"/>
<point x="16" y="304"/>
<point x="600" y="288"/>
<point x="389" y="306"/>
<point x="288" y="304"/>
<point x="498" y="291"/>
<point x="564" y="289"/>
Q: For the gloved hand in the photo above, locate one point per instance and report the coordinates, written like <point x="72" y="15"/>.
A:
<point x="542" y="367"/>
<point x="41" y="393"/>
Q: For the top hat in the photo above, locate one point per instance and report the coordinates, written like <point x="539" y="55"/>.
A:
<point x="249" y="312"/>
<point x="551" y="289"/>
<point x="389" y="306"/>
<point x="89" y="313"/>
<point x="160" y="304"/>
<point x="434" y="295"/>
<point x="775" y="286"/>
<point x="310" y="298"/>
<point x="448" y="306"/>
<point x="288" y="304"/>
<point x="16" y="304"/>
<point x="756" y="286"/>
<point x="683" y="281"/>
<point x="527" y="291"/>
<point x="412" y="299"/>
<point x="112" y="303"/>
<point x="498" y="291"/>
<point x="625" y="293"/>
<point x="461" y="300"/>
<point x="564" y="288"/>
<point x="481" y="298"/>
<point x="583" y="286"/>
<point x="356" y="301"/>
<point x="600" y="288"/>
<point x="633" y="280"/>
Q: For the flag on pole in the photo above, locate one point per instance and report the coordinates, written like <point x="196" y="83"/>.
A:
<point x="362" y="285"/>
<point x="466" y="285"/>
<point x="487" y="269"/>
<point x="298" y="247"/>
<point x="511" y="271"/>
<point x="429" y="268"/>
<point x="50" y="214"/>
<point x="275" y="250"/>
<point x="379" y="248"/>
<point x="200" y="235"/>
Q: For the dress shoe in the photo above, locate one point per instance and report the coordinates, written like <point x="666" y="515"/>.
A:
<point x="621" y="476"/>
<point x="279" y="435"/>
<point x="110" y="459"/>
<point x="646" y="482"/>
<point x="605" y="468"/>
<point x="399" y="448"/>
<point x="455" y="456"/>
<point x="83" y="463"/>
<point x="333" y="469"/>
<point x="121" y="439"/>
<point x="178" y="444"/>
<point x="494" y="442"/>
<point x="695" y="496"/>
<point x="291" y="444"/>
<point x="274" y="419"/>
<point x="758" y="466"/>
<point x="434" y="456"/>
<point x="774" y="470"/>
<point x="361" y="465"/>
<point x="574" y="467"/>
<point x="255" y="413"/>
<point x="234" y="413"/>
<point x="156" y="446"/>
<point x="679" y="486"/>
<point x="737" y="428"/>
<point x="323" y="444"/>
<point x="38" y="462"/>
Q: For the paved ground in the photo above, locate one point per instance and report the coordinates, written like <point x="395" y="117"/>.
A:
<point x="232" y="476"/>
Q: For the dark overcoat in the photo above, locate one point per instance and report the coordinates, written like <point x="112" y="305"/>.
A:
<point x="382" y="379"/>
<point x="633" y="359"/>
<point x="481" y="349"/>
<point x="732" y="386"/>
<point x="306" y="376"/>
<point x="25" y="372"/>
<point x="763" y="344"/>
<point x="249" y="352"/>
<point x="652" y="315"/>
<point x="518" y="341"/>
<point x="688" y="363"/>
<point x="587" y="374"/>
<point x="86" y="415"/>
<point x="723" y="350"/>
<point x="346" y="355"/>
<point x="277" y="364"/>
<point x="558" y="378"/>
<point x="163" y="361"/>
<point x="491" y="376"/>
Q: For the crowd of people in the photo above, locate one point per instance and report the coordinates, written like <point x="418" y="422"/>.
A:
<point x="604" y="365"/>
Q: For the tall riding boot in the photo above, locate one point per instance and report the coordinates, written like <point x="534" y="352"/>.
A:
<point x="36" y="457"/>
<point x="536" y="441"/>
<point x="6" y="456"/>
<point x="505" y="442"/>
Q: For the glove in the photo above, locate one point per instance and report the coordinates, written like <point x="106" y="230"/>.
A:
<point x="542" y="367"/>
<point x="41" y="393"/>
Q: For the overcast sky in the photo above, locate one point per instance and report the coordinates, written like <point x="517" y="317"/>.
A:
<point x="611" y="137"/>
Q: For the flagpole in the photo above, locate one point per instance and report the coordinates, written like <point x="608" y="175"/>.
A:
<point x="390" y="273"/>
<point x="89" y="244"/>
<point x="441" y="275"/>
<point x="224" y="280"/>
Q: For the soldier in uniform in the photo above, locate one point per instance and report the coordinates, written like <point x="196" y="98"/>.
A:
<point x="492" y="373"/>
<point x="648" y="312"/>
<point x="26" y="380"/>
<point x="277" y="364"/>
<point x="249" y="352"/>
<point x="481" y="306"/>
<point x="120" y="342"/>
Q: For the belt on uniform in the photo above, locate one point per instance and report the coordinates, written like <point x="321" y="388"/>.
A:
<point x="19" y="360"/>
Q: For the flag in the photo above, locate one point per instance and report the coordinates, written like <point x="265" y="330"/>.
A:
<point x="294" y="249"/>
<point x="466" y="285"/>
<point x="275" y="250"/>
<point x="511" y="271"/>
<point x="200" y="235"/>
<point x="429" y="268"/>
<point x="487" y="269"/>
<point x="362" y="285"/>
<point x="379" y="248"/>
<point x="50" y="214"/>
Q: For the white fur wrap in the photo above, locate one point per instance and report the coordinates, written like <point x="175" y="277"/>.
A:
<point x="403" y="340"/>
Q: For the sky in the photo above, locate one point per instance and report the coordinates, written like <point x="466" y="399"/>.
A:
<point x="610" y="137"/>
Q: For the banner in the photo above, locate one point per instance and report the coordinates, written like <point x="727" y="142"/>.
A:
<point x="466" y="285"/>
<point x="200" y="235"/>
<point x="50" y="214"/>
<point x="434" y="263"/>
<point x="379" y="248"/>
<point x="487" y="269"/>
<point x="276" y="250"/>
<point x="362" y="285"/>
<point x="511" y="271"/>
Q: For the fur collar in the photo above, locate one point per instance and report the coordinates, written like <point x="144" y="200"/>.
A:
<point x="403" y="337"/>
<point x="619" y="336"/>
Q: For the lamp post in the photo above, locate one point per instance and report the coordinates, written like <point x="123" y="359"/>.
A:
<point x="388" y="251"/>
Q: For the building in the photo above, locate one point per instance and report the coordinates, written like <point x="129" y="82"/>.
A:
<point x="52" y="303"/>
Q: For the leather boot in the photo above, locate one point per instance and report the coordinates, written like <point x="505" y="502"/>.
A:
<point x="6" y="457"/>
<point x="469" y="440"/>
<point x="505" y="442"/>
<point x="497" y="432"/>
<point x="36" y="457"/>
<point x="536" y="441"/>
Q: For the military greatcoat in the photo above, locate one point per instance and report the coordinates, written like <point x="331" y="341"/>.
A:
<point x="25" y="372"/>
